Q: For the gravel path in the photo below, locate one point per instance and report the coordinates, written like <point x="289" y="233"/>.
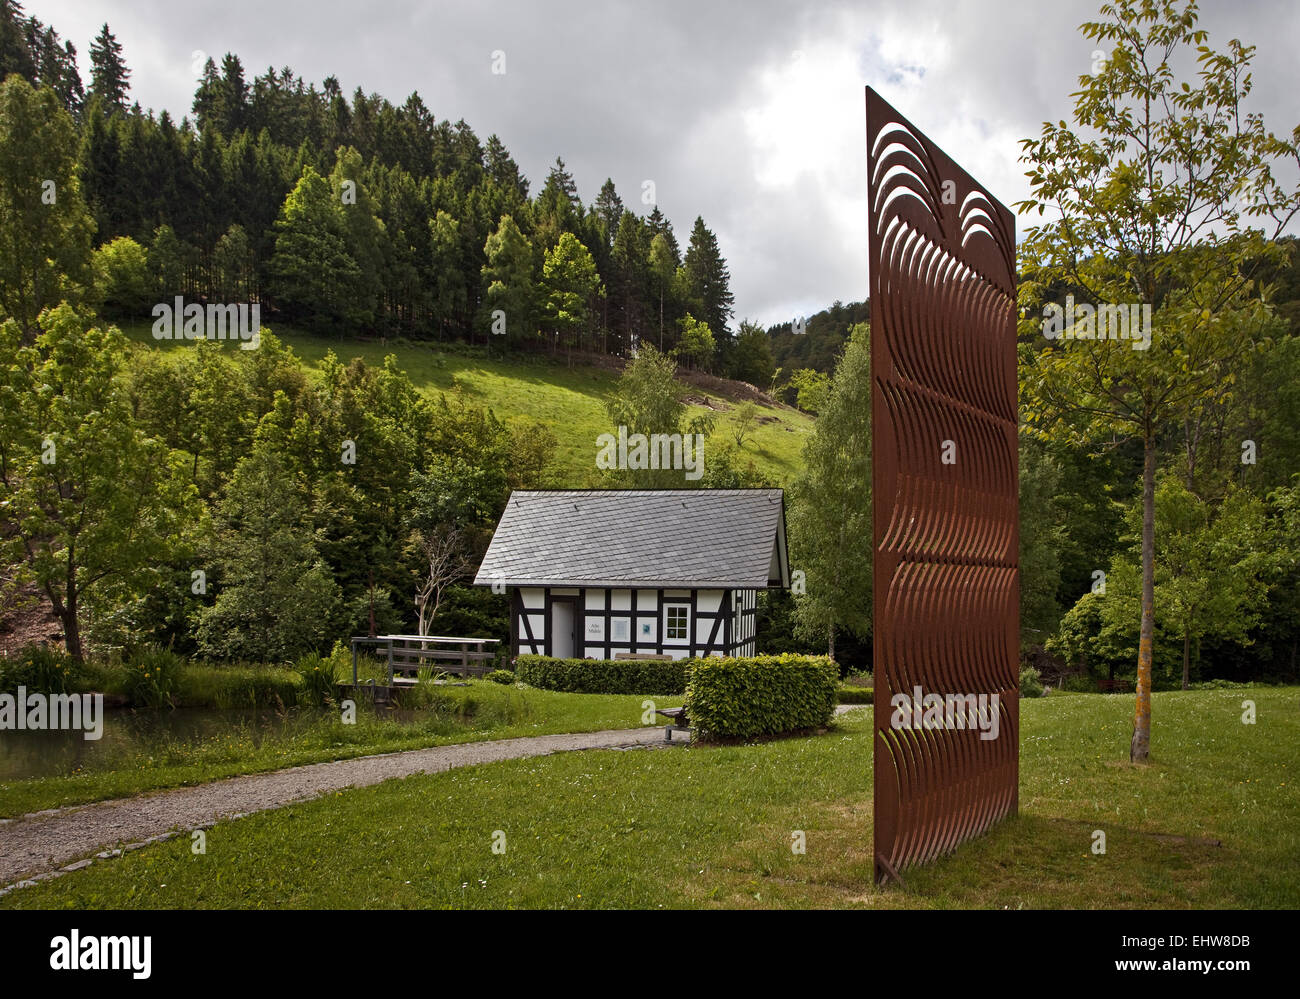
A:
<point x="42" y="844"/>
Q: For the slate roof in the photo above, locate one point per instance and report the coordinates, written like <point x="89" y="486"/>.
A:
<point x="678" y="538"/>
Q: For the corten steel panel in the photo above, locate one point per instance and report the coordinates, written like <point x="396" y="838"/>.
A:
<point x="946" y="573"/>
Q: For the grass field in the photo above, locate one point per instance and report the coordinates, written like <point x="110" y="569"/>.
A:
<point x="483" y="710"/>
<point x="1213" y="821"/>
<point x="570" y="401"/>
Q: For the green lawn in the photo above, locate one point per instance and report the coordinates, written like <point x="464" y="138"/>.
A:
<point x="709" y="826"/>
<point x="570" y="401"/>
<point x="483" y="710"/>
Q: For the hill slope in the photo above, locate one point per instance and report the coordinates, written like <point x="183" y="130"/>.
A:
<point x="569" y="400"/>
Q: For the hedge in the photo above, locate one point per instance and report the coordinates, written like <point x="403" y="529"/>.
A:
<point x="762" y="695"/>
<point x="854" y="695"/>
<point x="603" y="676"/>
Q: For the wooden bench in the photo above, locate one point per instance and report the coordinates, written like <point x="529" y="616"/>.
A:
<point x="1114" y="686"/>
<point x="677" y="721"/>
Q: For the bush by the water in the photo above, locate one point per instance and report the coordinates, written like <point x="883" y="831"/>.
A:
<point x="502" y="676"/>
<point x="762" y="695"/>
<point x="40" y="669"/>
<point x="319" y="678"/>
<point x="152" y="677"/>
<point x="603" y="676"/>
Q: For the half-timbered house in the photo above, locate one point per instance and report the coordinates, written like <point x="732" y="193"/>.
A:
<point x="595" y="574"/>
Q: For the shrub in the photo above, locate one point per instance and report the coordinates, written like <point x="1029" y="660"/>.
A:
<point x="319" y="679"/>
<point x="763" y="695"/>
<point x="603" y="676"/>
<point x="152" y="677"/>
<point x="854" y="695"/>
<point x="1031" y="682"/>
<point x="502" y="676"/>
<point x="1218" y="684"/>
<point x="40" y="669"/>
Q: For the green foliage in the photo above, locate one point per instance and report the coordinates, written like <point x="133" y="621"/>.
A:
<point x="89" y="504"/>
<point x="502" y="676"/>
<point x="1042" y="536"/>
<point x="152" y="677"/>
<point x="569" y="285"/>
<point x="751" y="361"/>
<point x="708" y="280"/>
<point x="1161" y="193"/>
<point x="234" y="686"/>
<point x="763" y="695"/>
<point x="276" y="596"/>
<point x="696" y="345"/>
<point x="830" y="517"/>
<point x="315" y="275"/>
<point x="109" y="77"/>
<point x="811" y="388"/>
<point x="1220" y="684"/>
<point x="816" y="341"/>
<point x="41" y="669"/>
<point x="123" y="282"/>
<point x="854" y="695"/>
<point x="45" y="228"/>
<point x="1031" y="682"/>
<point x="603" y="676"/>
<point x="743" y="420"/>
<point x="648" y="398"/>
<point x="509" y="283"/>
<point x="319" y="678"/>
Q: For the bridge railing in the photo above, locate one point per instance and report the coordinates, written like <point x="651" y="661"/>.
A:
<point x="407" y="654"/>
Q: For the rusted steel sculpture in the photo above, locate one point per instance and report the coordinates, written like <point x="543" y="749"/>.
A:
<point x="945" y="476"/>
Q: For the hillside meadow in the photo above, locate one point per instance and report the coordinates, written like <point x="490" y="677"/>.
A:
<point x="566" y="398"/>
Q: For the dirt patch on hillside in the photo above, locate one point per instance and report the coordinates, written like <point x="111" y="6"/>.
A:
<point x="28" y="620"/>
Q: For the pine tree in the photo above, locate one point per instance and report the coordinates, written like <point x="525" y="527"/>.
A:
<point x="449" y="298"/>
<point x="609" y="210"/>
<point x="363" y="232"/>
<point x="709" y="282"/>
<point x="629" y="278"/>
<point x="109" y="76"/>
<point x="275" y="595"/>
<point x="559" y="210"/>
<point x="56" y="65"/>
<point x="313" y="271"/>
<point x="15" y="54"/>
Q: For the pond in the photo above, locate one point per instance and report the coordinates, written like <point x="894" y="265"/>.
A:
<point x="148" y="738"/>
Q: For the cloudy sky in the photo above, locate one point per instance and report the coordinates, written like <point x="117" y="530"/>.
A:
<point x="750" y="114"/>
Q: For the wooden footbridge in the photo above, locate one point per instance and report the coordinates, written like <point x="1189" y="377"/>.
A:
<point x="406" y="655"/>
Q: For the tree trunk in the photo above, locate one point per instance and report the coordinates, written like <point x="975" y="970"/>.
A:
<point x="1187" y="653"/>
<point x="661" y="319"/>
<point x="72" y="627"/>
<point x="1140" y="747"/>
<point x="830" y="642"/>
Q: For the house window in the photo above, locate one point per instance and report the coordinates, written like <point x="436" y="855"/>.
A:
<point x="677" y="621"/>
